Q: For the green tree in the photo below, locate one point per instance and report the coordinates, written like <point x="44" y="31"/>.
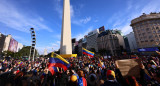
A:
<point x="25" y="51"/>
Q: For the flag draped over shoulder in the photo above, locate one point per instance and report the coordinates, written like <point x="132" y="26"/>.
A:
<point x="57" y="61"/>
<point x="82" y="81"/>
<point x="87" y="52"/>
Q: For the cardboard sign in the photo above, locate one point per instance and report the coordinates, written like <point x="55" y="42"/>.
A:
<point x="129" y="67"/>
<point x="105" y="57"/>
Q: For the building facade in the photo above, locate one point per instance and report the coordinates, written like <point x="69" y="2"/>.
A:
<point x="7" y="43"/>
<point x="120" y="40"/>
<point x="132" y="42"/>
<point x="2" y="41"/>
<point x="127" y="44"/>
<point x="147" y="30"/>
<point x="108" y="43"/>
<point x="82" y="43"/>
<point x="73" y="44"/>
<point x="19" y="47"/>
<point x="91" y="39"/>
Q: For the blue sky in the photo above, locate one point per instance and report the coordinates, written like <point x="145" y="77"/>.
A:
<point x="18" y="16"/>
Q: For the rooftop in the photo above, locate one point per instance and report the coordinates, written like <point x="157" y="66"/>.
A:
<point x="146" y="17"/>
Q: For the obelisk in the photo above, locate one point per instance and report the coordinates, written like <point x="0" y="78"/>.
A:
<point x="66" y="45"/>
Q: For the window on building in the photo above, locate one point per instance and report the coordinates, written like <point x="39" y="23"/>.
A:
<point x="149" y="32"/>
<point x="150" y="37"/>
<point x="143" y="34"/>
<point x="157" y="27"/>
<point x="157" y="40"/>
<point x="110" y="36"/>
<point x="144" y="37"/>
<point x="147" y="29"/>
<point x="156" y="36"/>
<point x="151" y="40"/>
<point x="146" y="40"/>
<point x="154" y="31"/>
<point x="153" y="28"/>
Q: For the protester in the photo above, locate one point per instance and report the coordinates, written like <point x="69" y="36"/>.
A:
<point x="81" y="71"/>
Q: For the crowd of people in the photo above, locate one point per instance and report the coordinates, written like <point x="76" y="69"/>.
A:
<point x="83" y="71"/>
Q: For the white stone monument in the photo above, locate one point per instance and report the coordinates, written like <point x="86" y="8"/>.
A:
<point x="66" y="45"/>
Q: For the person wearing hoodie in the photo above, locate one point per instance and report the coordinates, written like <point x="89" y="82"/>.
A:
<point x="111" y="81"/>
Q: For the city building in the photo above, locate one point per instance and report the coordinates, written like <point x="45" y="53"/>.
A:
<point x="7" y="43"/>
<point x="19" y="47"/>
<point x="2" y="40"/>
<point x="118" y="33"/>
<point x="91" y="39"/>
<point x="82" y="43"/>
<point x="109" y="42"/>
<point x="127" y="44"/>
<point x="73" y="44"/>
<point x="132" y="42"/>
<point x="147" y="30"/>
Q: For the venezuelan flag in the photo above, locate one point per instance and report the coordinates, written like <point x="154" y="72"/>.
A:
<point x="57" y="61"/>
<point x="87" y="52"/>
<point x="134" y="57"/>
<point x="82" y="81"/>
<point x="20" y="63"/>
<point x="53" y="70"/>
<point x="4" y="61"/>
<point x="100" y="64"/>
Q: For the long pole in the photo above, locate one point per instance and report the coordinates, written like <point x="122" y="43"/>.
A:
<point x="30" y="48"/>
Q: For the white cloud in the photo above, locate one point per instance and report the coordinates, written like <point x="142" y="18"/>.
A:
<point x="152" y="6"/>
<point x="81" y="35"/>
<point x="59" y="8"/>
<point x="129" y="4"/>
<point x="95" y="20"/>
<point x="86" y="20"/>
<point x="125" y="28"/>
<point x="50" y="47"/>
<point x="18" y="20"/>
<point x="72" y="11"/>
<point x="122" y="20"/>
<point x="81" y="21"/>
<point x="57" y="36"/>
<point x="21" y="40"/>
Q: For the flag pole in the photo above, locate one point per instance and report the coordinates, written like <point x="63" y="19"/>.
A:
<point x="82" y="51"/>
